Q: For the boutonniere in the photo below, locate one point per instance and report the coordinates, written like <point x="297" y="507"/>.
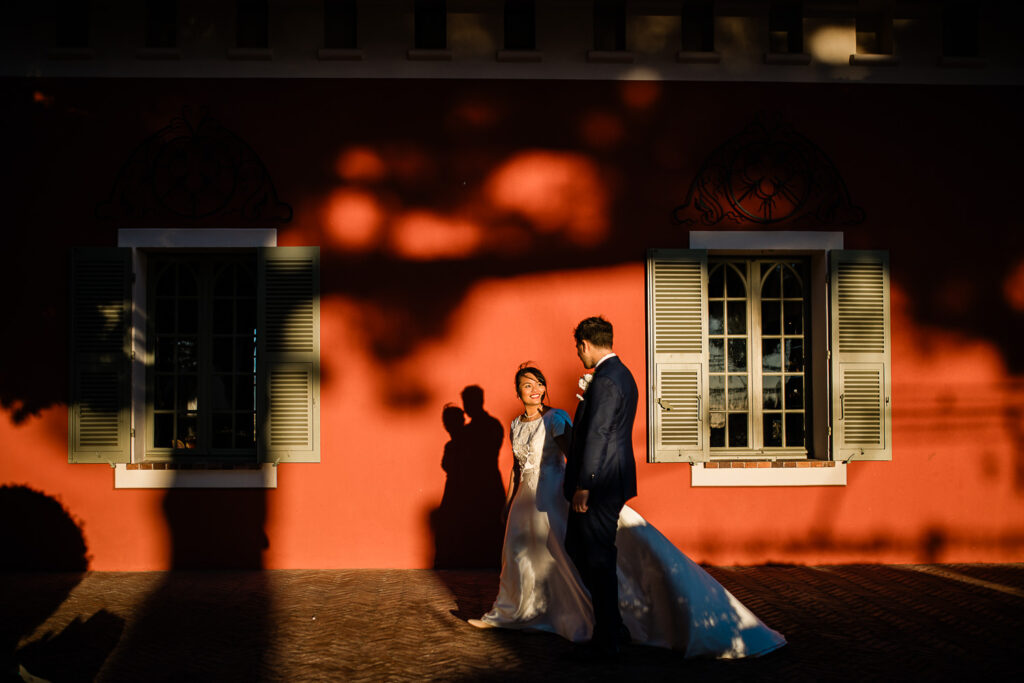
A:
<point x="584" y="383"/>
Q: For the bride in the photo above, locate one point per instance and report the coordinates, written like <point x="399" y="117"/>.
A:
<point x="666" y="599"/>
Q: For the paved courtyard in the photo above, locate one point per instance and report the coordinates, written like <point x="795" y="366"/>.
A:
<point x="844" y="623"/>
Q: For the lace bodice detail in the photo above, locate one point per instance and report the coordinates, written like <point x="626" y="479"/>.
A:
<point x="533" y="442"/>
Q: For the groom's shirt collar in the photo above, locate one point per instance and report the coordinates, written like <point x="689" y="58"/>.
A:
<point x="610" y="355"/>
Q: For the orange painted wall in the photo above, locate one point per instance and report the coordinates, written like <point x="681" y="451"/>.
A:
<point x="466" y="227"/>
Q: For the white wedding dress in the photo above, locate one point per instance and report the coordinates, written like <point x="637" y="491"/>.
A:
<point x="666" y="599"/>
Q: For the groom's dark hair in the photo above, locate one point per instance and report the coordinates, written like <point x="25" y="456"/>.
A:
<point x="595" y="330"/>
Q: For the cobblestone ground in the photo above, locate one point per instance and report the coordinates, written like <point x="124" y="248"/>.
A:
<point x="846" y="623"/>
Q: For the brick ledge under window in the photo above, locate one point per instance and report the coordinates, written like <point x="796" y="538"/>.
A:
<point x="764" y="464"/>
<point x="192" y="466"/>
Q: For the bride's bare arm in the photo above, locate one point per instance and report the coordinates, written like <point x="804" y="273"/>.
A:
<point x="513" y="484"/>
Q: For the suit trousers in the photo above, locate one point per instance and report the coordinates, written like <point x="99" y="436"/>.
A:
<point x="590" y="542"/>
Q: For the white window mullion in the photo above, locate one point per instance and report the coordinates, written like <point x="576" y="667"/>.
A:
<point x="756" y="382"/>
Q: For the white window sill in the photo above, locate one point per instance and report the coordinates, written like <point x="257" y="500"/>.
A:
<point x="263" y="478"/>
<point x="864" y="59"/>
<point x="768" y="476"/>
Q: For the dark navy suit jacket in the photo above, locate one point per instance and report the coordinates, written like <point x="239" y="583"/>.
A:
<point x="601" y="452"/>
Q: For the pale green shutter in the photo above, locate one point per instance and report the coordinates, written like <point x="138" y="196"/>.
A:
<point x="677" y="405"/>
<point x="288" y="354"/>
<point x="860" y="346"/>
<point x="99" y="408"/>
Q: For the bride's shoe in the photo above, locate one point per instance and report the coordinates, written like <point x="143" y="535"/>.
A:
<point x="479" y="623"/>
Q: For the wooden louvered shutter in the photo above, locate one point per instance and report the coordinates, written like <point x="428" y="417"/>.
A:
<point x="288" y="354"/>
<point x="860" y="345"/>
<point x="99" y="409"/>
<point x="677" y="356"/>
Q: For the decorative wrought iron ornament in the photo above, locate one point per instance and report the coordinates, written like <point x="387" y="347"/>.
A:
<point x="197" y="173"/>
<point x="768" y="175"/>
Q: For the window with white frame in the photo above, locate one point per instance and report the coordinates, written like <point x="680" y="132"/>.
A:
<point x="198" y="353"/>
<point x="772" y="354"/>
<point x="202" y="339"/>
<point x="757" y="367"/>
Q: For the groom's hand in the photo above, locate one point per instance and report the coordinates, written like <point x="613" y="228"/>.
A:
<point x="579" y="501"/>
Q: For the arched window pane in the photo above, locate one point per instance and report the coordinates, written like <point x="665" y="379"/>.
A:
<point x="734" y="285"/>
<point x="791" y="287"/>
<point x="716" y="282"/>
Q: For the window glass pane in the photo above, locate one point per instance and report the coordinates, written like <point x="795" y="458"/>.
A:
<point x="717" y="430"/>
<point x="188" y="393"/>
<point x="716" y="392"/>
<point x="737" y="355"/>
<point x="222" y="430"/>
<point x="187" y="434"/>
<point x="734" y="283"/>
<point x="245" y="392"/>
<point x="770" y="318"/>
<point x="225" y="283"/>
<point x="794" y="429"/>
<point x="772" y="429"/>
<point x="772" y="392"/>
<point x="245" y="354"/>
<point x="716" y="282"/>
<point x="793" y="317"/>
<point x="790" y="284"/>
<point x="164" y="354"/>
<point x="187" y="360"/>
<point x="166" y="284"/>
<point x="246" y="321"/>
<point x="771" y="355"/>
<point x="220" y="392"/>
<point x="187" y="285"/>
<point x="738" y="430"/>
<point x="164" y="315"/>
<point x="794" y="392"/>
<point x="794" y="355"/>
<point x="223" y="315"/>
<point x="716" y="319"/>
<point x="188" y="315"/>
<point x="245" y="431"/>
<point x="772" y="288"/>
<point x="737" y="392"/>
<point x="163" y="430"/>
<point x="716" y="360"/>
<point x="163" y="398"/>
<point x="222" y="356"/>
<point x="737" y="322"/>
<point x="245" y="281"/>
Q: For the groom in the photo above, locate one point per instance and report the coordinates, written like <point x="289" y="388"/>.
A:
<point x="600" y="476"/>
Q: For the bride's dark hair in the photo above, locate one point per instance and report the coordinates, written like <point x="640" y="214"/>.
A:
<point x="526" y="368"/>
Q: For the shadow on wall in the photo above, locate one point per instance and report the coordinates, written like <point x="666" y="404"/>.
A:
<point x="212" y="635"/>
<point x="38" y="536"/>
<point x="468" y="527"/>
